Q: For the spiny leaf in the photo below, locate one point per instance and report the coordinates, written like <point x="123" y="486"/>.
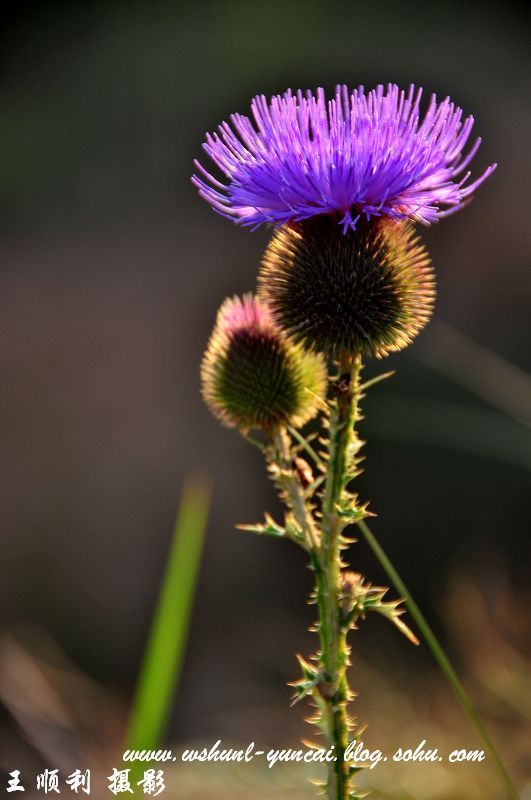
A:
<point x="358" y="597"/>
<point x="308" y="670"/>
<point x="269" y="528"/>
<point x="393" y="612"/>
<point x="353" y="513"/>
<point x="292" y="528"/>
<point x="305" y="686"/>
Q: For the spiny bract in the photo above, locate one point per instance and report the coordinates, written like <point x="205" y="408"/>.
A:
<point x="370" y="290"/>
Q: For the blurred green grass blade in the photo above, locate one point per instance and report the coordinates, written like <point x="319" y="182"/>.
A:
<point x="467" y="362"/>
<point x="455" y="426"/>
<point x="441" y="658"/>
<point x="163" y="657"/>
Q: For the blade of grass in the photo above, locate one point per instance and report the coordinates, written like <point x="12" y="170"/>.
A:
<point x="164" y="653"/>
<point x="455" y="426"/>
<point x="441" y="658"/>
<point x="469" y="363"/>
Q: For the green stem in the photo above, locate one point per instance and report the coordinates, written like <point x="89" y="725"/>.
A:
<point x="304" y="443"/>
<point x="334" y="651"/>
<point x="441" y="659"/>
<point x="292" y="489"/>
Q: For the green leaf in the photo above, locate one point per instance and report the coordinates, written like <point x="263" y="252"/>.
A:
<point x="165" y="649"/>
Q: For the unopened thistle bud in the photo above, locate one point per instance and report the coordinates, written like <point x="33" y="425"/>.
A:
<point x="368" y="290"/>
<point x="253" y="376"/>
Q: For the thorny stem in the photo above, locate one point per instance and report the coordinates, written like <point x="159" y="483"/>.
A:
<point x="290" y="485"/>
<point x="323" y="541"/>
<point x="334" y="650"/>
<point x="324" y="544"/>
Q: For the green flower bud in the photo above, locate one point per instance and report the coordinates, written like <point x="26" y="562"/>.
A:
<point x="253" y="376"/>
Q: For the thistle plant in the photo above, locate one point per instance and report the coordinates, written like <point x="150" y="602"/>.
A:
<point x="343" y="278"/>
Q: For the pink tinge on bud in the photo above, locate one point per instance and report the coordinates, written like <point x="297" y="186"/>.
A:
<point x="246" y="312"/>
<point x="253" y="376"/>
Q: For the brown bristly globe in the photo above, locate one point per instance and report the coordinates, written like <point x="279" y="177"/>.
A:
<point x="369" y="290"/>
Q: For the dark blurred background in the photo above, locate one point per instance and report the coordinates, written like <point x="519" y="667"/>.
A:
<point x="112" y="270"/>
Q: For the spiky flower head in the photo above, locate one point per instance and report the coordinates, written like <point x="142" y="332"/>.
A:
<point x="370" y="290"/>
<point x="358" y="155"/>
<point x="253" y="376"/>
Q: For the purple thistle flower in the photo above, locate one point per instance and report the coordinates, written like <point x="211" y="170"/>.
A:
<point x="357" y="154"/>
